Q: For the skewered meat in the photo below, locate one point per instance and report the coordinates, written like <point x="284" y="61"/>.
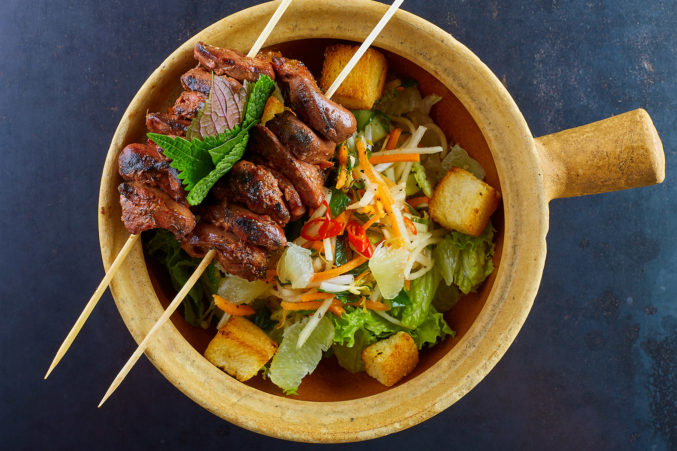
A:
<point x="234" y="255"/>
<point x="306" y="178"/>
<point x="300" y="139"/>
<point x="291" y="196"/>
<point x="188" y="104"/>
<point x="255" y="187"/>
<point x="248" y="226"/>
<point x="232" y="63"/>
<point x="145" y="208"/>
<point x="145" y="164"/>
<point x="166" y="124"/>
<point x="200" y="80"/>
<point x="328" y="118"/>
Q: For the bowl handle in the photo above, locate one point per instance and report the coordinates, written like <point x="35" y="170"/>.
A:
<point x="613" y="154"/>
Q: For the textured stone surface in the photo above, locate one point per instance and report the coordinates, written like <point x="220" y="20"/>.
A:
<point x="595" y="365"/>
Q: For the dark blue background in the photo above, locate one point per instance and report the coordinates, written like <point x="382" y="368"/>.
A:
<point x="595" y="366"/>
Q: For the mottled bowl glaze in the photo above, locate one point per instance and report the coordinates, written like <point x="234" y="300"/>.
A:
<point x="478" y="113"/>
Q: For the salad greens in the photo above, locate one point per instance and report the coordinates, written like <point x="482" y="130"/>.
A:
<point x="198" y="307"/>
<point x="464" y="260"/>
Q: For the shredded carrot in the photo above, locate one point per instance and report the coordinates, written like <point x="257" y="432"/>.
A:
<point x="330" y="274"/>
<point x="310" y="305"/>
<point x="270" y="275"/>
<point x="416" y="201"/>
<point x="314" y="296"/>
<point x="373" y="220"/>
<point x="407" y="284"/>
<point x="371" y="305"/>
<point x="343" y="218"/>
<point x="315" y="245"/>
<point x="384" y="193"/>
<point x="233" y="309"/>
<point x="393" y="138"/>
<point x="336" y="309"/>
<point x="394" y="158"/>
<point x="343" y="162"/>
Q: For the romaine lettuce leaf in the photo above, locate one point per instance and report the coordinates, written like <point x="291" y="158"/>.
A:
<point x="465" y="260"/>
<point x="421" y="294"/>
<point x="431" y="329"/>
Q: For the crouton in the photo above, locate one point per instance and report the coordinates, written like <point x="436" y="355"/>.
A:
<point x="391" y="359"/>
<point x="273" y="107"/>
<point x="240" y="348"/>
<point x="463" y="202"/>
<point x="363" y="86"/>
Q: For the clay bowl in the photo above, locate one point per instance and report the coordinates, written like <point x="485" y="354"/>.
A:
<point x="478" y="113"/>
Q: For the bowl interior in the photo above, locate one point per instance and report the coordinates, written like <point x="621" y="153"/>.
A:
<point x="330" y="382"/>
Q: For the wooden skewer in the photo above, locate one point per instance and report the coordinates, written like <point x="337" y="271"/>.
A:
<point x="92" y="302"/>
<point x="210" y="255"/>
<point x="165" y="316"/>
<point x="363" y="48"/>
<point x="282" y="7"/>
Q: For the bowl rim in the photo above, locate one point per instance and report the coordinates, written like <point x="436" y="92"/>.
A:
<point x="507" y="305"/>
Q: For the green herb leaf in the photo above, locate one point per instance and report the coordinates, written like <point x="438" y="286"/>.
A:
<point x="338" y="203"/>
<point x="257" y="99"/>
<point x="199" y="192"/>
<point x="341" y="252"/>
<point x="421" y="295"/>
<point x="190" y="158"/>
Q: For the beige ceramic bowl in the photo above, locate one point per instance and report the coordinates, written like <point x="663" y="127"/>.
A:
<point x="478" y="113"/>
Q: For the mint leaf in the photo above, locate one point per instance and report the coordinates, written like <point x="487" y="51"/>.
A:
<point x="190" y="158"/>
<point x="199" y="192"/>
<point x="257" y="99"/>
<point x="338" y="202"/>
<point x="222" y="111"/>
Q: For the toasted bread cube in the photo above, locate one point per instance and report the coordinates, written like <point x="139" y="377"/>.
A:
<point x="240" y="348"/>
<point x="463" y="202"/>
<point x="363" y="86"/>
<point x="273" y="107"/>
<point x="391" y="359"/>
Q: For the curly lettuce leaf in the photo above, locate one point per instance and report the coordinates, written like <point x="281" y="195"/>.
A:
<point x="464" y="260"/>
<point x="350" y="357"/>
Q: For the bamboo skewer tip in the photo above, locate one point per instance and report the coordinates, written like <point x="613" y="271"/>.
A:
<point x="84" y="315"/>
<point x="206" y="260"/>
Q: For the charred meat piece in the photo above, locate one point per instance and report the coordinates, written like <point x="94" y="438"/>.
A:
<point x="188" y="104"/>
<point x="200" y="80"/>
<point x="232" y="63"/>
<point x="236" y="256"/>
<point x="144" y="163"/>
<point x="255" y="187"/>
<point x="248" y="226"/>
<point x="291" y="196"/>
<point x="300" y="139"/>
<point x="166" y="124"/>
<point x="306" y="178"/>
<point x="327" y="118"/>
<point x="145" y="208"/>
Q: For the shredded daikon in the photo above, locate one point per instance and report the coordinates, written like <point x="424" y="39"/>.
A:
<point x="312" y="323"/>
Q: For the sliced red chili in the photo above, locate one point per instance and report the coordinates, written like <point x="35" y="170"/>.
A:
<point x="410" y="225"/>
<point x="321" y="228"/>
<point x="357" y="237"/>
